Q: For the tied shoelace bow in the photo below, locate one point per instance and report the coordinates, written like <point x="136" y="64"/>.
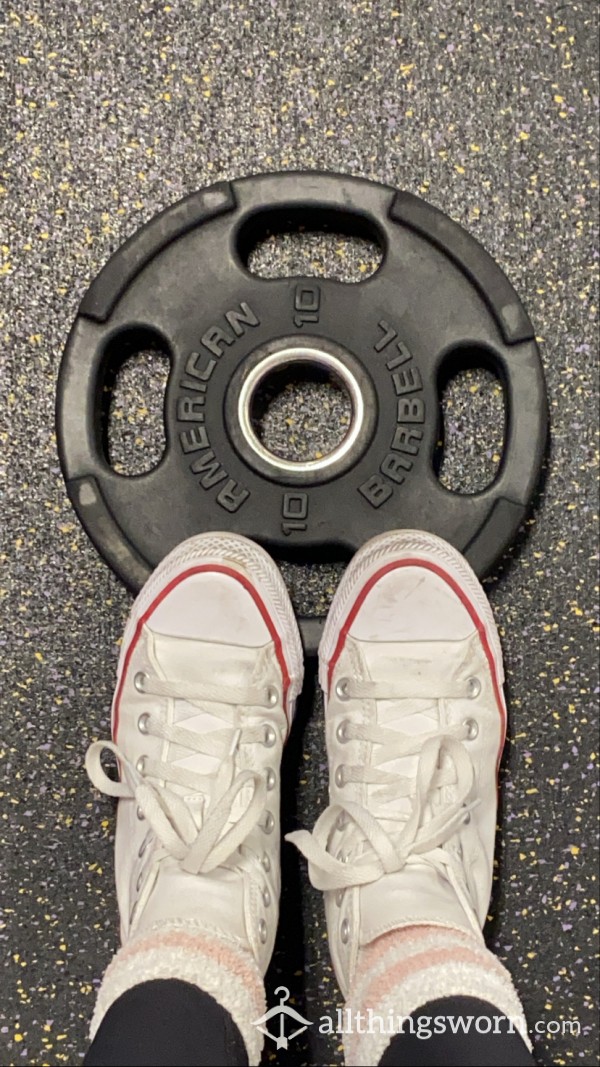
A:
<point x="417" y="836"/>
<point x="198" y="851"/>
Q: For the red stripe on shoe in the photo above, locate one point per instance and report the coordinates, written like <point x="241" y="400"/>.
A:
<point x="479" y="624"/>
<point x="202" y="569"/>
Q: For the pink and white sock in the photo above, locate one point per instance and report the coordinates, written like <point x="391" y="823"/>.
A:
<point x="403" y="970"/>
<point x="193" y="953"/>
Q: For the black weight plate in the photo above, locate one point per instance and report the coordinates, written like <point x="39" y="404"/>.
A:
<point x="183" y="279"/>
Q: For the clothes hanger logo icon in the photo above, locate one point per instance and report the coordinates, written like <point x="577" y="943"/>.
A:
<point x="281" y="1011"/>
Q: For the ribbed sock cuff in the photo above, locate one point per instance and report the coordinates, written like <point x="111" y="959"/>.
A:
<point x="193" y="953"/>
<point x="402" y="971"/>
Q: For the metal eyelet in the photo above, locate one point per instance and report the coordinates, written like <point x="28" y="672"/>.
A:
<point x="269" y="823"/>
<point x="140" y="765"/>
<point x="140" y="813"/>
<point x="342" y="820"/>
<point x="345" y="932"/>
<point x="271" y="778"/>
<point x="266" y="897"/>
<point x="139" y="680"/>
<point x="339" y="896"/>
<point x="342" y="732"/>
<point x="272" y="696"/>
<point x="467" y="818"/>
<point x="270" y="735"/>
<point x="265" y="862"/>
<point x="472" y="728"/>
<point x="143" y="723"/>
<point x="143" y="847"/>
<point x="139" y="882"/>
<point x="339" y="777"/>
<point x="263" y="931"/>
<point x="341" y="689"/>
<point x="473" y="688"/>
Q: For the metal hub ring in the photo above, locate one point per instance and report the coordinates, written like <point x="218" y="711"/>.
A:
<point x="297" y="356"/>
<point x="319" y="353"/>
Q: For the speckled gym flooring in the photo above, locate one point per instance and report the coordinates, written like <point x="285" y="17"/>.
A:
<point x="112" y="111"/>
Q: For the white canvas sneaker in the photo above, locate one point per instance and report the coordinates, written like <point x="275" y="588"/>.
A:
<point x="411" y="668"/>
<point x="208" y="676"/>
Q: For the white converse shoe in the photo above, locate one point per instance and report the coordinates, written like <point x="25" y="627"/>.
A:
<point x="209" y="672"/>
<point x="411" y="667"/>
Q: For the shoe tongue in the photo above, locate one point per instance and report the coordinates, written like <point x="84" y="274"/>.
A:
<point x="437" y="663"/>
<point x="408" y="717"/>
<point x="217" y="903"/>
<point x="209" y="663"/>
<point x="183" y="659"/>
<point x="417" y="895"/>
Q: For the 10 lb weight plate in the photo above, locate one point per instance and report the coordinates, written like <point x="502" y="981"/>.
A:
<point x="182" y="282"/>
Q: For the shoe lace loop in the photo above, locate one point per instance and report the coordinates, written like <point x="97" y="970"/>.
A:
<point x="169" y="815"/>
<point x="385" y="841"/>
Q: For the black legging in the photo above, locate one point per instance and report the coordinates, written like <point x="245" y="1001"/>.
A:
<point x="173" y="1024"/>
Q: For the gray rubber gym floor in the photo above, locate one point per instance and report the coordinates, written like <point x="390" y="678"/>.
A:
<point x="114" y="110"/>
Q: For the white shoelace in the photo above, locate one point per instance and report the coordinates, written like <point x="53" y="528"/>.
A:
<point x="198" y="851"/>
<point x="415" y="837"/>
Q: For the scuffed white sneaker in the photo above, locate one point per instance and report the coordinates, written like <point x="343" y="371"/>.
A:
<point x="208" y="676"/>
<point x="411" y="667"/>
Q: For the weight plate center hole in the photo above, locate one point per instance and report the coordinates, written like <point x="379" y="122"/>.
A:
<point x="301" y="409"/>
